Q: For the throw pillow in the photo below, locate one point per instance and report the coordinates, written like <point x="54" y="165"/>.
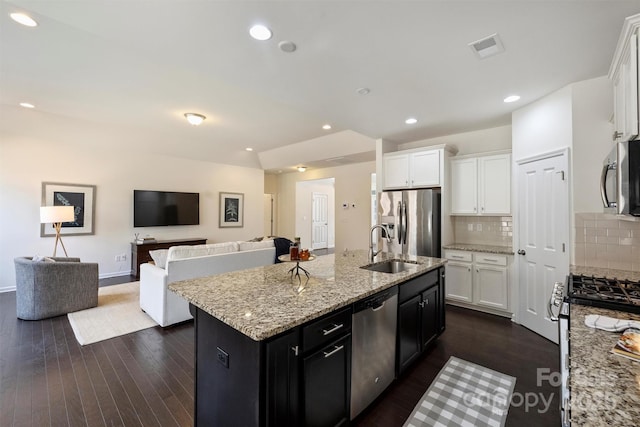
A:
<point x="247" y="246"/>
<point x="40" y="258"/>
<point x="159" y="256"/>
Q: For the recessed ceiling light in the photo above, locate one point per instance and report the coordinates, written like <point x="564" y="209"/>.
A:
<point x="260" y="32"/>
<point x="249" y="149"/>
<point x="363" y="91"/>
<point x="27" y="105"/>
<point x="23" y="19"/>
<point x="194" y="118"/>
<point x="326" y="127"/>
<point x="512" y="98"/>
<point x="301" y="168"/>
<point x="411" y="121"/>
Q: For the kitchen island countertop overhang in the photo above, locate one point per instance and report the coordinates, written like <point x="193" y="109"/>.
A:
<point x="263" y="302"/>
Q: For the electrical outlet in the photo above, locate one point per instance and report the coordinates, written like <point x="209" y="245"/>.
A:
<point x="121" y="258"/>
<point x="469" y="227"/>
<point x="223" y="357"/>
<point x="479" y="227"/>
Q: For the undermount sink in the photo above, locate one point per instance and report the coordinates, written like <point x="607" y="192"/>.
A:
<point x="391" y="266"/>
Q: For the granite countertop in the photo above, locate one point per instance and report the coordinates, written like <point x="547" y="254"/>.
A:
<point x="263" y="302"/>
<point x="608" y="273"/>
<point x="605" y="388"/>
<point x="492" y="249"/>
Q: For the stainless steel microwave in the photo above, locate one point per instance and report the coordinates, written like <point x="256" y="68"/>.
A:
<point x="620" y="180"/>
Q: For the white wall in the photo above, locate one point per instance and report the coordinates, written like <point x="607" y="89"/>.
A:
<point x="68" y="152"/>
<point x="352" y="184"/>
<point x="479" y="141"/>
<point x="592" y="140"/>
<point x="543" y="126"/>
<point x="304" y="210"/>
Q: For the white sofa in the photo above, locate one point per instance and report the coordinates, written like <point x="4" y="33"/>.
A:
<point x="189" y="262"/>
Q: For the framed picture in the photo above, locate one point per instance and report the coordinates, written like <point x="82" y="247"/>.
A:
<point x="231" y="209"/>
<point x="81" y="197"/>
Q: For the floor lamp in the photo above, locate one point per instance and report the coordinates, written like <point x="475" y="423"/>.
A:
<point x="56" y="215"/>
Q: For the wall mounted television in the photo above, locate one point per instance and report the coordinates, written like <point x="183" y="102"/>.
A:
<point x="162" y="208"/>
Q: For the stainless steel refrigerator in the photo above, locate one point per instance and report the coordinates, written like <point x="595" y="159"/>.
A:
<point x="413" y="217"/>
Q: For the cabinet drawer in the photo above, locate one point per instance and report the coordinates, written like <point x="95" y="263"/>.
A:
<point x="326" y="329"/>
<point x="458" y="256"/>
<point x="491" y="259"/>
<point x="416" y="285"/>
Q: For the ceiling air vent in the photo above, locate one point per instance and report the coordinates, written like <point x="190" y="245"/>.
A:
<point x="488" y="46"/>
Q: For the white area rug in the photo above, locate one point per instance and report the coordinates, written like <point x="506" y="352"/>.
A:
<point x="464" y="394"/>
<point x="118" y="313"/>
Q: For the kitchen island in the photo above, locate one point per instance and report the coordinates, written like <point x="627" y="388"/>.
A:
<point x="605" y="387"/>
<point x="267" y="354"/>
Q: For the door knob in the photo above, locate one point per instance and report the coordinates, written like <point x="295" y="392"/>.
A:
<point x="521" y="252"/>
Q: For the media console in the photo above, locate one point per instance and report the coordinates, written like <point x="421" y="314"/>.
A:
<point x="140" y="251"/>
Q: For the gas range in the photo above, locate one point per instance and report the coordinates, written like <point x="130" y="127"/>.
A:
<point x="614" y="294"/>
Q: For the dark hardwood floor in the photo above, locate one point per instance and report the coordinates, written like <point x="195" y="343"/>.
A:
<point x="146" y="378"/>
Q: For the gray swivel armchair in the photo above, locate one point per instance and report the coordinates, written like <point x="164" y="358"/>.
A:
<point x="48" y="289"/>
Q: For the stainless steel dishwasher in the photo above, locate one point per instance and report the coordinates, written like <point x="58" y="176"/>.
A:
<point x="373" y="357"/>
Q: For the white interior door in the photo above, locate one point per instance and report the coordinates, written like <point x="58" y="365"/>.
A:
<point x="320" y="221"/>
<point x="543" y="235"/>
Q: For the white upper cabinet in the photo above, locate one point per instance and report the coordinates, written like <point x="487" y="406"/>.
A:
<point x="464" y="186"/>
<point x="624" y="75"/>
<point x="412" y="169"/>
<point x="424" y="169"/>
<point x="481" y="185"/>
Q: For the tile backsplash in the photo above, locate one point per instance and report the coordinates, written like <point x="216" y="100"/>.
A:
<point x="483" y="230"/>
<point x="604" y="240"/>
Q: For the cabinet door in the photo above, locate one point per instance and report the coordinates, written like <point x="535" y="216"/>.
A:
<point x="459" y="281"/>
<point x="425" y="169"/>
<point x="441" y="293"/>
<point x="631" y="91"/>
<point x="408" y="332"/>
<point x="429" y="316"/>
<point x="327" y="377"/>
<point x="491" y="286"/>
<point x="464" y="186"/>
<point x="282" y="380"/>
<point x="494" y="194"/>
<point x="396" y="170"/>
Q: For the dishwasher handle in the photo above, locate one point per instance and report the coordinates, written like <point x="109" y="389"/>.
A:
<point x="378" y="306"/>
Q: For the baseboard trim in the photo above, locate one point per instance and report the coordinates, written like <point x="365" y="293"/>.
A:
<point x="116" y="274"/>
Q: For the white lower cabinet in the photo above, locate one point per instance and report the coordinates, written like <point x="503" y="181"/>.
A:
<point x="478" y="280"/>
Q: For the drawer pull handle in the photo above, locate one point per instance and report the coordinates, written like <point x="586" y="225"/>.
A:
<point x="326" y="332"/>
<point x="336" y="349"/>
<point x="457" y="256"/>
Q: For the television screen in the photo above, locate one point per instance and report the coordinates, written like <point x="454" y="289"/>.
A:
<point x="159" y="208"/>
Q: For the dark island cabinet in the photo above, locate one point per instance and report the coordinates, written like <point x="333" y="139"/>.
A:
<point x="420" y="316"/>
<point x="299" y="378"/>
<point x="282" y="366"/>
<point x="327" y="377"/>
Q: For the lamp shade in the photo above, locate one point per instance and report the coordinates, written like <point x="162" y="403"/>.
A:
<point x="53" y="214"/>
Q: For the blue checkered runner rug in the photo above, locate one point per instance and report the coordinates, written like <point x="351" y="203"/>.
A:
<point x="464" y="394"/>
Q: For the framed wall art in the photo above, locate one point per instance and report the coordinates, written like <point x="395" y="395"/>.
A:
<point x="231" y="209"/>
<point x="81" y="197"/>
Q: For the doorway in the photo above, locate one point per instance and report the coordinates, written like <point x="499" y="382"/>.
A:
<point x="543" y="236"/>
<point x="315" y="213"/>
<point x="270" y="207"/>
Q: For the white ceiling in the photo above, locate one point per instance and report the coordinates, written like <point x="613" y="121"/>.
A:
<point x="139" y="65"/>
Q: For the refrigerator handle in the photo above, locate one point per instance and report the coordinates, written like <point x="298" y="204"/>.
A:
<point x="405" y="220"/>
<point x="399" y="223"/>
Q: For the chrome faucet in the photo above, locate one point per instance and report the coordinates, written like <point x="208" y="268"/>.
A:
<point x="373" y="253"/>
